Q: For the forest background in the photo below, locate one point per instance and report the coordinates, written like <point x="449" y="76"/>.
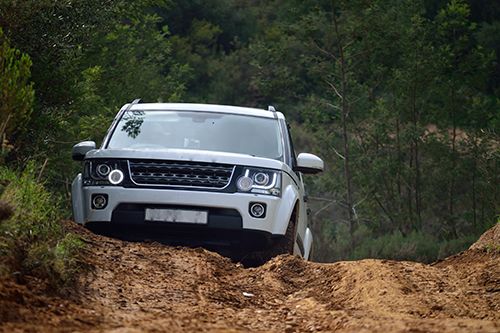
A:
<point x="399" y="97"/>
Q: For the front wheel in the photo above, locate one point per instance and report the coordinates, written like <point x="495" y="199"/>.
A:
<point x="283" y="244"/>
<point x="280" y="245"/>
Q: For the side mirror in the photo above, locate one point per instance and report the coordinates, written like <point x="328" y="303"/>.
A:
<point x="309" y="163"/>
<point x="82" y="148"/>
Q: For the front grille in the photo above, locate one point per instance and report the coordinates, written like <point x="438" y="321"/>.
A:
<point x="184" y="174"/>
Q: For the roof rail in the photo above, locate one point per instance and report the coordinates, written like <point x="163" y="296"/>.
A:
<point x="273" y="110"/>
<point x="135" y="101"/>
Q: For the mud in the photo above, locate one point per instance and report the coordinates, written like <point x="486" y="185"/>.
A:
<point x="137" y="287"/>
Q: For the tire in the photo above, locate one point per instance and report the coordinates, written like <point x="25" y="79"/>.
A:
<point x="284" y="245"/>
<point x="280" y="245"/>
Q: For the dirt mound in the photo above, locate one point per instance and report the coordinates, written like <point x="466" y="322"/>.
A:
<point x="137" y="287"/>
<point x="489" y="241"/>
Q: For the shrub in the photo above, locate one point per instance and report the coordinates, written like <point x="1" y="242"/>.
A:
<point x="453" y="246"/>
<point x="16" y="92"/>
<point x="33" y="240"/>
<point x="417" y="246"/>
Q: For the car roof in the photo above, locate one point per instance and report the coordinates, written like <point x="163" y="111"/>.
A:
<point x="204" y="107"/>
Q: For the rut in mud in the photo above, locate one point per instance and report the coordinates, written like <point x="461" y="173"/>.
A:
<point x="135" y="287"/>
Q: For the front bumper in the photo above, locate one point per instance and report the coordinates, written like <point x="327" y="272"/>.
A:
<point x="226" y="210"/>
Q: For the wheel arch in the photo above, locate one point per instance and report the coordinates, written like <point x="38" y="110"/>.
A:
<point x="77" y="200"/>
<point x="290" y="208"/>
<point x="308" y="242"/>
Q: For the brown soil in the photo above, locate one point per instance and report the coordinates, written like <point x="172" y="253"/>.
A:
<point x="134" y="287"/>
<point x="489" y="241"/>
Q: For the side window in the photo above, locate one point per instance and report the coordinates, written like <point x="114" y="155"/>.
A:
<point x="292" y="150"/>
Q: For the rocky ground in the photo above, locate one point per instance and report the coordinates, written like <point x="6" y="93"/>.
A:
<point x="140" y="287"/>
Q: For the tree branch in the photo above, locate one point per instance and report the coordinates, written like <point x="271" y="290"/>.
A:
<point x="334" y="89"/>
<point x="337" y="153"/>
<point x="322" y="199"/>
<point x="322" y="209"/>
<point x="333" y="106"/>
<point x="322" y="50"/>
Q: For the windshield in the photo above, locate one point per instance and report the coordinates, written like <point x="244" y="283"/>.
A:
<point x="198" y="131"/>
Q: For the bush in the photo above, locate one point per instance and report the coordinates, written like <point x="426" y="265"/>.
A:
<point x="33" y="240"/>
<point x="16" y="92"/>
<point x="417" y="246"/>
<point x="454" y="246"/>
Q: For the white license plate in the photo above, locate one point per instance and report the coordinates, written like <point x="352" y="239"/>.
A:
<point x="176" y="215"/>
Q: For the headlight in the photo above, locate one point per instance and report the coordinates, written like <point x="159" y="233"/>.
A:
<point x="115" y="177"/>
<point x="104" y="172"/>
<point x="263" y="181"/>
<point x="244" y="183"/>
<point x="261" y="178"/>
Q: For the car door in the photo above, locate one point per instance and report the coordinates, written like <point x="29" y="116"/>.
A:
<point x="297" y="176"/>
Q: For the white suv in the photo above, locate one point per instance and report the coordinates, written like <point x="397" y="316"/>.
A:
<point x="197" y="173"/>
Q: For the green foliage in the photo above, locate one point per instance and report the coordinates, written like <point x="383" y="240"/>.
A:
<point x="60" y="263"/>
<point x="54" y="34"/>
<point x="16" y="91"/>
<point x="422" y="131"/>
<point x="421" y="81"/>
<point x="453" y="246"/>
<point x="417" y="246"/>
<point x="32" y="240"/>
<point x="132" y="60"/>
<point x="92" y="124"/>
<point x="87" y="67"/>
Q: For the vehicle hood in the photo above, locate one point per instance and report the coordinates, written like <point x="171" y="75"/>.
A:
<point x="187" y="155"/>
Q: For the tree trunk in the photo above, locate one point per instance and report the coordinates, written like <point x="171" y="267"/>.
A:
<point x="453" y="162"/>
<point x="415" y="117"/>
<point x="345" y="136"/>
<point x="399" y="156"/>
<point x="409" y="190"/>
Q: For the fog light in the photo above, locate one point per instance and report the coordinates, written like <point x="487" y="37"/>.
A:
<point x="115" y="177"/>
<point x="99" y="201"/>
<point x="257" y="209"/>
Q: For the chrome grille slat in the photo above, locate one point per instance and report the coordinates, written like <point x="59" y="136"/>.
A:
<point x="185" y="174"/>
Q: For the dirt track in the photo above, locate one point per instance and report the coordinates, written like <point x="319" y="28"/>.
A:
<point x="153" y="288"/>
